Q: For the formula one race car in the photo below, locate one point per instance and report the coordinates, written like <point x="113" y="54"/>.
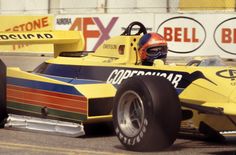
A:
<point x="146" y="103"/>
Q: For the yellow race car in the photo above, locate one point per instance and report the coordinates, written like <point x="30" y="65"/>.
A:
<point x="146" y="103"/>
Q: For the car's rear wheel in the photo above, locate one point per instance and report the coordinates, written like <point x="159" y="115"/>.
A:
<point x="147" y="113"/>
<point x="3" y="106"/>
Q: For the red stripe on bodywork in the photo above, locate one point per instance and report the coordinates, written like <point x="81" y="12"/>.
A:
<point x="49" y="99"/>
<point x="47" y="92"/>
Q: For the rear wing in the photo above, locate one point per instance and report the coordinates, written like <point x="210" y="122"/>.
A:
<point x="63" y="41"/>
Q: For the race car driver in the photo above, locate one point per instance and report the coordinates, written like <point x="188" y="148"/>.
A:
<point x="152" y="46"/>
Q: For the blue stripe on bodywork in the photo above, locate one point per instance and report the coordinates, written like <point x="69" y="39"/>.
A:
<point x="72" y="80"/>
<point x="102" y="73"/>
<point x="179" y="90"/>
<point x="43" y="85"/>
<point x="97" y="74"/>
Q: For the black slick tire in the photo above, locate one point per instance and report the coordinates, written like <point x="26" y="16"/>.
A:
<point x="158" y="114"/>
<point x="3" y="105"/>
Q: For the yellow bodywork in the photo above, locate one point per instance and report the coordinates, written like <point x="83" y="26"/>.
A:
<point x="211" y="92"/>
<point x="220" y="95"/>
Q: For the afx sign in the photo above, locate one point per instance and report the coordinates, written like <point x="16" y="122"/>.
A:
<point x="95" y="30"/>
<point x="99" y="27"/>
<point x="102" y="31"/>
<point x="179" y="31"/>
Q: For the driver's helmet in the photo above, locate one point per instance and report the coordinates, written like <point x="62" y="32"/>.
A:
<point x="152" y="46"/>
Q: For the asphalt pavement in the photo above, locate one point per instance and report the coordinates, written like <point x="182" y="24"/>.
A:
<point x="13" y="142"/>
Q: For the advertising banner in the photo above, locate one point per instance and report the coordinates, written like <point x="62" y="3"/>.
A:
<point x="100" y="27"/>
<point x="186" y="34"/>
<point x="26" y="23"/>
<point x="198" y="34"/>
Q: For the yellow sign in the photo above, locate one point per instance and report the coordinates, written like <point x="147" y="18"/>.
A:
<point x="26" y="23"/>
<point x="206" y="5"/>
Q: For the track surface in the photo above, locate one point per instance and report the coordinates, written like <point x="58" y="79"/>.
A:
<point x="29" y="143"/>
<point x="13" y="142"/>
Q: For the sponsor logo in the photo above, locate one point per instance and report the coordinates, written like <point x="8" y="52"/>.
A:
<point x="190" y="32"/>
<point x="136" y="29"/>
<point x="227" y="73"/>
<point x="133" y="140"/>
<point x="33" y="25"/>
<point x="102" y="32"/>
<point x="63" y="21"/>
<point x="225" y="36"/>
<point x="110" y="46"/>
<point x="25" y="36"/>
<point x="118" y="75"/>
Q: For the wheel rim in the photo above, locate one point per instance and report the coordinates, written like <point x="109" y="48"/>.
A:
<point x="130" y="113"/>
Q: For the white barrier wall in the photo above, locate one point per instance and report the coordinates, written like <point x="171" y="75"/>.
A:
<point x="186" y="34"/>
<point x="112" y="6"/>
<point x="141" y="6"/>
<point x="24" y="7"/>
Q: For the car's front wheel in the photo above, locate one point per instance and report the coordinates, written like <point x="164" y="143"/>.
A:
<point x="146" y="113"/>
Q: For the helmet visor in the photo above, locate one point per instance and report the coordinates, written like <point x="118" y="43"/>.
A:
<point x="157" y="52"/>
